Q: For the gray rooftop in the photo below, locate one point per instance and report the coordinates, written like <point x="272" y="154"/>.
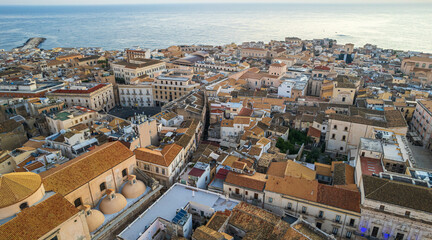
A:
<point x="370" y="144"/>
<point x="177" y="197"/>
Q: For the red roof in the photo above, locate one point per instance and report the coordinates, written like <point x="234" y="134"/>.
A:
<point x="322" y="68"/>
<point x="84" y="109"/>
<point x="196" y="172"/>
<point x="339" y="197"/>
<point x="217" y="111"/>
<point x="370" y="165"/>
<point x="90" y="90"/>
<point x="313" y="132"/>
<point x="222" y="173"/>
<point x="246" y="112"/>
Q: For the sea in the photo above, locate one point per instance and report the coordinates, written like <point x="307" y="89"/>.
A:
<point x="115" y="27"/>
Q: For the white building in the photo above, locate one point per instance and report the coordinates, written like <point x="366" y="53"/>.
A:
<point x="136" y="68"/>
<point x="285" y="89"/>
<point x="139" y="95"/>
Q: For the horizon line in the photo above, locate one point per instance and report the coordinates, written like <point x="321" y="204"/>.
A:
<point x="221" y="3"/>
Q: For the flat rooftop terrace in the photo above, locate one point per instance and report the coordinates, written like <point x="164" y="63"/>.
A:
<point x="178" y="196"/>
<point x="370" y="165"/>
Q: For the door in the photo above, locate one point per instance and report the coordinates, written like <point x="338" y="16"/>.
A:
<point x="375" y="232"/>
<point x="399" y="236"/>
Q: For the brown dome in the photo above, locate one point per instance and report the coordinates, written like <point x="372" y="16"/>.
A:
<point x="133" y="188"/>
<point x="17" y="186"/>
<point x="94" y="218"/>
<point x="113" y="202"/>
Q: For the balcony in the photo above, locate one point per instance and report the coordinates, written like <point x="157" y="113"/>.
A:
<point x="236" y="196"/>
<point x="256" y="202"/>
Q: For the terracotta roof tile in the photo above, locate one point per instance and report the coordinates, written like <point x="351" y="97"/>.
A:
<point x="256" y="181"/>
<point x="162" y="158"/>
<point x="339" y="197"/>
<point x="36" y="221"/>
<point x="79" y="171"/>
<point x="277" y="169"/>
<point x="15" y="187"/>
<point x="292" y="186"/>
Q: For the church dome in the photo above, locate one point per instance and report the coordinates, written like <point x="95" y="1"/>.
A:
<point x="113" y="202"/>
<point x="133" y="188"/>
<point x="18" y="186"/>
<point x="94" y="218"/>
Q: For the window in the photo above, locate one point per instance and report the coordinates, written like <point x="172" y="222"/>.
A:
<point x="124" y="172"/>
<point x="289" y="206"/>
<point x="343" y="99"/>
<point x="255" y="195"/>
<point x="363" y="154"/>
<point x="382" y="208"/>
<point x="333" y="136"/>
<point x="146" y="167"/>
<point x="246" y="193"/>
<point x="352" y="222"/>
<point x="348" y="234"/>
<point x="237" y="191"/>
<point x="270" y="200"/>
<point x="341" y="148"/>
<point x="407" y="213"/>
<point x="343" y="138"/>
<point x="335" y="231"/>
<point x="338" y="218"/>
<point x="23" y="205"/>
<point x="156" y="169"/>
<point x="77" y="202"/>
<point x="321" y="214"/>
<point x="334" y="127"/>
<point x="346" y="128"/>
<point x="304" y="209"/>
<point x="102" y="186"/>
<point x="318" y="225"/>
<point x="163" y="171"/>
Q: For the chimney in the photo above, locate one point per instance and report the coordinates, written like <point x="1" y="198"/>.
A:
<point x="131" y="179"/>
<point x="110" y="193"/>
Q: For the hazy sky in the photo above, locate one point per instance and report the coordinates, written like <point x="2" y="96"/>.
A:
<point x="104" y="2"/>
